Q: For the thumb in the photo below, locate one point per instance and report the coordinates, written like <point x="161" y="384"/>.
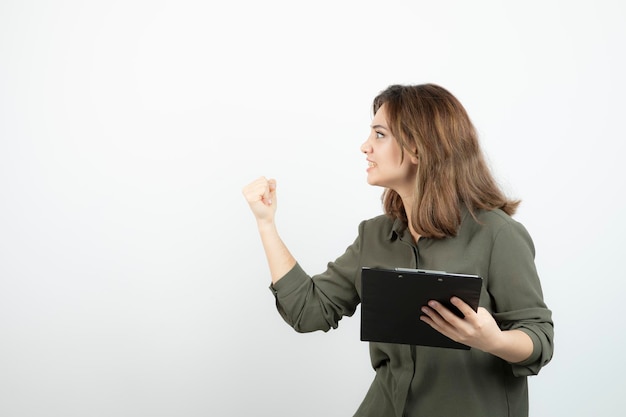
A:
<point x="270" y="194"/>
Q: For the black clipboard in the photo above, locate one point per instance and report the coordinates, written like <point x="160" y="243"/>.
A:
<point x="391" y="302"/>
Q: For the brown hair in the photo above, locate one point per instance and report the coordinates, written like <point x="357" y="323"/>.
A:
<point x="451" y="171"/>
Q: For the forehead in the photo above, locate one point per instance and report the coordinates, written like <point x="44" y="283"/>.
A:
<point x="380" y="118"/>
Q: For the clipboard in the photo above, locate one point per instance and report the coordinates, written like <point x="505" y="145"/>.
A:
<point x="391" y="302"/>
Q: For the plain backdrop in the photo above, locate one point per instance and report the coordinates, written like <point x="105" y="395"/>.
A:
<point x="132" y="279"/>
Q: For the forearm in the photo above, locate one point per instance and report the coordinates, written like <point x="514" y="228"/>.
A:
<point x="513" y="346"/>
<point x="279" y="259"/>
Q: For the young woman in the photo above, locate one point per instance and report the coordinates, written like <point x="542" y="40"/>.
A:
<point x="443" y="211"/>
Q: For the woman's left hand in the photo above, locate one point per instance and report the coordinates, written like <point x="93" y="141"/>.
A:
<point x="477" y="329"/>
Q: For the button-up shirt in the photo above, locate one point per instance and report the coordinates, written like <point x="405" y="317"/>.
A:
<point x="417" y="381"/>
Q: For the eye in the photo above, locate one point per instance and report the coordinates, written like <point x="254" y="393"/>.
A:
<point x="379" y="135"/>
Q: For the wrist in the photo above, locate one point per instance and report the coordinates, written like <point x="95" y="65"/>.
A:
<point x="265" y="225"/>
<point x="498" y="343"/>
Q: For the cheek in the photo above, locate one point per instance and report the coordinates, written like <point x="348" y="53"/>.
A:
<point x="408" y="166"/>
<point x="396" y="153"/>
<point x="402" y="161"/>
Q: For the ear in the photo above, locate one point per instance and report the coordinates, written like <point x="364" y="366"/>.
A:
<point x="414" y="158"/>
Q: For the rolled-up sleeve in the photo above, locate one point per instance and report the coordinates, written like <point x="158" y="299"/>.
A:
<point x="518" y="299"/>
<point x="318" y="303"/>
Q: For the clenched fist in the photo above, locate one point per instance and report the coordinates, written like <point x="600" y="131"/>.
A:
<point x="261" y="196"/>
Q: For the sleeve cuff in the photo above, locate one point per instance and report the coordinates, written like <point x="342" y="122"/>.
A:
<point x="291" y="281"/>
<point x="531" y="365"/>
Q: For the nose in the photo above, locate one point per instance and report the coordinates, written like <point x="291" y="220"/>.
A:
<point x="366" y="147"/>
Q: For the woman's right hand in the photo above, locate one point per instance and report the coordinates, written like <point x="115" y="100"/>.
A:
<point x="261" y="197"/>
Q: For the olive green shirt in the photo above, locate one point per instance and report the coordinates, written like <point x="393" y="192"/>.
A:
<point x="419" y="381"/>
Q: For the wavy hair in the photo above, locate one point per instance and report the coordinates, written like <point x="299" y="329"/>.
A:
<point x="452" y="172"/>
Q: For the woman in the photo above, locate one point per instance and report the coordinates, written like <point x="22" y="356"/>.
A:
<point x="443" y="211"/>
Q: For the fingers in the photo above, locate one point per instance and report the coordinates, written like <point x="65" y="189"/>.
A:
<point x="477" y="329"/>
<point x="442" y="316"/>
<point x="441" y="310"/>
<point x="437" y="313"/>
<point x="270" y="192"/>
<point x="262" y="190"/>
<point x="463" y="307"/>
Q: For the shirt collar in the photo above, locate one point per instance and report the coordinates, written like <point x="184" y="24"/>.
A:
<point x="399" y="227"/>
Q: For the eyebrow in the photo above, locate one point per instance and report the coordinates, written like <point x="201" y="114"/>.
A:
<point x="379" y="127"/>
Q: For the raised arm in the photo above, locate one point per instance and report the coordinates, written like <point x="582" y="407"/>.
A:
<point x="261" y="196"/>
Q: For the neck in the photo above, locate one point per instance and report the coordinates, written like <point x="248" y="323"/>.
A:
<point x="407" y="202"/>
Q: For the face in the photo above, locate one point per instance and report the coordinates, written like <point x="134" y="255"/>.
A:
<point x="386" y="168"/>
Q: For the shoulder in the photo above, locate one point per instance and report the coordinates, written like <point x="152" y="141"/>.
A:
<point x="382" y="224"/>
<point x="497" y="223"/>
<point x="494" y="218"/>
<point x="382" y="220"/>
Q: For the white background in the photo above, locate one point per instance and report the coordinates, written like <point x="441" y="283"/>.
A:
<point x="132" y="279"/>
